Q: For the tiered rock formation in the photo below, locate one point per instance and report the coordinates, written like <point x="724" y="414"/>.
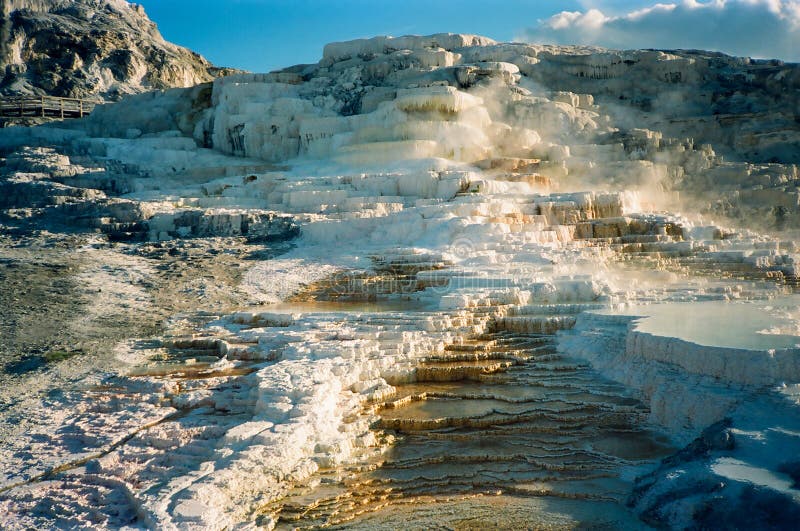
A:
<point x="457" y="227"/>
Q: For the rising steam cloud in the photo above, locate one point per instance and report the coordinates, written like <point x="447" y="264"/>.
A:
<point x="755" y="28"/>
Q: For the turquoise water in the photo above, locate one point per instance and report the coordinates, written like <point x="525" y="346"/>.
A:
<point x="752" y="325"/>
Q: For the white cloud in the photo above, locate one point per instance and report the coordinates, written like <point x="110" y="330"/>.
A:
<point x="756" y="28"/>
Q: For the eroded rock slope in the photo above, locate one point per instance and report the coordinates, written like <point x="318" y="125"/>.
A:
<point x="99" y="49"/>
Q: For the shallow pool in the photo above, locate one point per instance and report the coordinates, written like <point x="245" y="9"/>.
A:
<point x="752" y="325"/>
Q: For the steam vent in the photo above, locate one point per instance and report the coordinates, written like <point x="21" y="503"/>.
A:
<point x="433" y="282"/>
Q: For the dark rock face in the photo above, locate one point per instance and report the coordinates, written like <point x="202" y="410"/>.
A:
<point x="669" y="495"/>
<point x="792" y="469"/>
<point x="754" y="508"/>
<point x="86" y="48"/>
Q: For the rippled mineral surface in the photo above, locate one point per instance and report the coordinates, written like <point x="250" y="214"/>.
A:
<point x="427" y="282"/>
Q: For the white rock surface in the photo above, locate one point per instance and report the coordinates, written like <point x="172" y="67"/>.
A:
<point x="490" y="187"/>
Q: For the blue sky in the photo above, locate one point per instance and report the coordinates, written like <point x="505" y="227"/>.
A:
<point x="262" y="35"/>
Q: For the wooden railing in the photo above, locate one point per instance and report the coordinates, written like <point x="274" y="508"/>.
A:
<point x="46" y="107"/>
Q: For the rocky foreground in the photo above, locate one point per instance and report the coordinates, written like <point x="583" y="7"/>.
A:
<point x="426" y="281"/>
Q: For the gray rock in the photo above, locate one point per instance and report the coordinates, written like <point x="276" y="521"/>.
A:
<point x="90" y="48"/>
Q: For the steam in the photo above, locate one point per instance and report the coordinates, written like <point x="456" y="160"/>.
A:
<point x="567" y="130"/>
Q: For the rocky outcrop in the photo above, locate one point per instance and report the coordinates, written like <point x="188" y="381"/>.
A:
<point x="722" y="130"/>
<point x="90" y="48"/>
<point x="42" y="186"/>
<point x="746" y="108"/>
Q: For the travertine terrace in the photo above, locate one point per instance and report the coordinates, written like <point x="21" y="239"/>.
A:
<point x="415" y="284"/>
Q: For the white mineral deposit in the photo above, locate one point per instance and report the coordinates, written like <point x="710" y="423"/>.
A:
<point x="429" y="281"/>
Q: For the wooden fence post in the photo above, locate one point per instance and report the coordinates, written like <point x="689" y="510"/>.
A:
<point x="45" y="107"/>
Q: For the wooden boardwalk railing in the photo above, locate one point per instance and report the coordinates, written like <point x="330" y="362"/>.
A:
<point x="46" y="107"/>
